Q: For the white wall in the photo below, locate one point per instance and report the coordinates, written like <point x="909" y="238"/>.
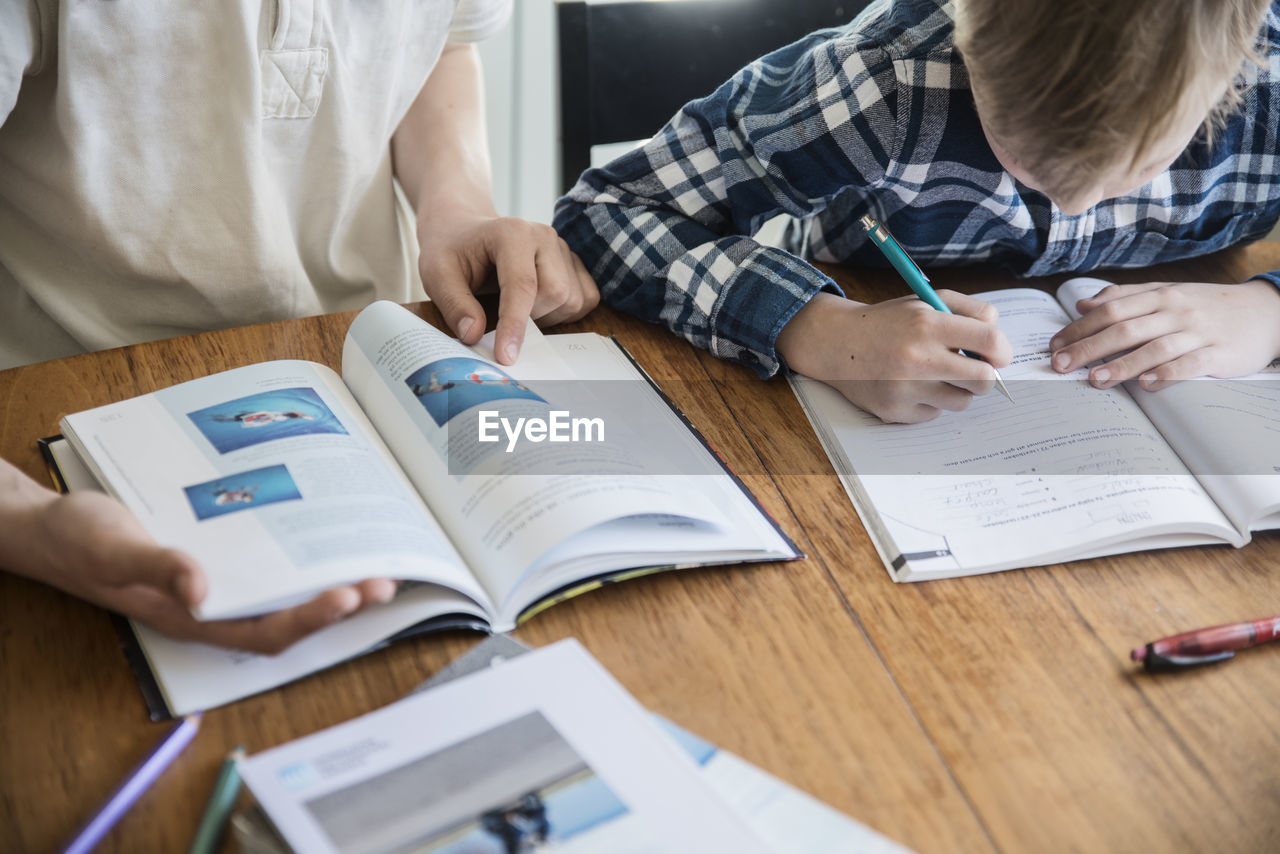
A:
<point x="521" y="107"/>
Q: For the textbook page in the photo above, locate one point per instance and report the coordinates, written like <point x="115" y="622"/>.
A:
<point x="545" y="749"/>
<point x="1227" y="431"/>
<point x="1228" y="434"/>
<point x="195" y="676"/>
<point x="272" y="477"/>
<point x="622" y="391"/>
<point x="427" y="394"/>
<point x="1066" y="471"/>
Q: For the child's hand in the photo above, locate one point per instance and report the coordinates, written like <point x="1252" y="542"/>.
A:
<point x="536" y="273"/>
<point x="1175" y="331"/>
<point x="91" y="546"/>
<point x="898" y="359"/>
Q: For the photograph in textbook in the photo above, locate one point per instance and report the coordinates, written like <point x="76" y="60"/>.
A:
<point x="259" y="418"/>
<point x="447" y="387"/>
<point x="242" y="491"/>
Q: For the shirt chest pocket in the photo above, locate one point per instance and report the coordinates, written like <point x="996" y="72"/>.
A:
<point x="293" y="66"/>
<point x="1199" y="240"/>
<point x="1140" y="246"/>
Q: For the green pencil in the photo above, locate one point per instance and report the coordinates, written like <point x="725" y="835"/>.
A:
<point x="221" y="800"/>
<point x="916" y="279"/>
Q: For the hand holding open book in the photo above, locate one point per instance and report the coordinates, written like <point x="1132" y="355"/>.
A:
<point x="424" y="462"/>
<point x="91" y="546"/>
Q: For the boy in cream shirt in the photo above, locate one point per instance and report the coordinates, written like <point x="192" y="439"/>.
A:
<point x="172" y="168"/>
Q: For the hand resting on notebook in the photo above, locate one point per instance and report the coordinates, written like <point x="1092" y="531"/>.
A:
<point x="1172" y="332"/>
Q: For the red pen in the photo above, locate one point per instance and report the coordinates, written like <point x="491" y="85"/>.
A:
<point x="1205" y="646"/>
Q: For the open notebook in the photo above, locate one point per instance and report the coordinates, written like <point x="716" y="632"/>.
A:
<point x="1065" y="472"/>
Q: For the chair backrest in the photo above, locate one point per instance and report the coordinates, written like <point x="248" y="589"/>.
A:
<point x="627" y="67"/>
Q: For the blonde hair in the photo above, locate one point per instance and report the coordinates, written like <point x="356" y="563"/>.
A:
<point x="1084" y="84"/>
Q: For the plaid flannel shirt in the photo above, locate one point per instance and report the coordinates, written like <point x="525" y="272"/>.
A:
<point x="877" y="117"/>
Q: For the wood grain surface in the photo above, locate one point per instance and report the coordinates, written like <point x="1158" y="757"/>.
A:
<point x="998" y="712"/>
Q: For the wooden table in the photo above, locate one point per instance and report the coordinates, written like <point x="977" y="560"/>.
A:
<point x="991" y="713"/>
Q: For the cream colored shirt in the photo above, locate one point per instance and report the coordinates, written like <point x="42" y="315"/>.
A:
<point x="168" y="168"/>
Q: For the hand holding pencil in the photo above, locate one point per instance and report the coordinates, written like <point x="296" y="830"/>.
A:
<point x="902" y="359"/>
<point x="915" y="279"/>
<point x="898" y="359"/>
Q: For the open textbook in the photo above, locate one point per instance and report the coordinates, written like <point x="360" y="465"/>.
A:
<point x="283" y="480"/>
<point x="1065" y="472"/>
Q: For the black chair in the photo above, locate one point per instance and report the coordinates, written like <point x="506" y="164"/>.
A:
<point x="625" y="68"/>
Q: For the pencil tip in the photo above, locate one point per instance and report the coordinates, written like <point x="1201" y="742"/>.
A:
<point x="1003" y="388"/>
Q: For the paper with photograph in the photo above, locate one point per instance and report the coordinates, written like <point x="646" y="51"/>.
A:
<point x="544" y="752"/>
<point x="784" y="817"/>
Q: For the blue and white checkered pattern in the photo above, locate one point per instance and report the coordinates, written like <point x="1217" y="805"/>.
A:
<point x="877" y="117"/>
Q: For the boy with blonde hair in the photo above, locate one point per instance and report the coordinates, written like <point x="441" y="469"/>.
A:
<point x="1043" y="137"/>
